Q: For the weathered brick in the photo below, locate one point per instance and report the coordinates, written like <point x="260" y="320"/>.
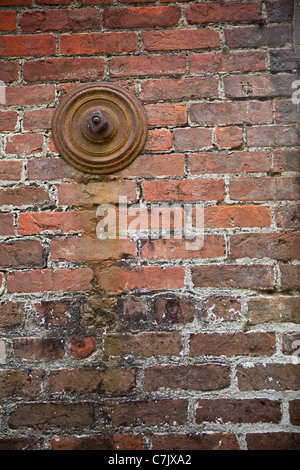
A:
<point x="181" y="39"/>
<point x="280" y="246"/>
<point x="186" y="190"/>
<point x="229" y="137"/>
<point x="294" y="407"/>
<point x="10" y="170"/>
<point x="30" y="95"/>
<point x="288" y="217"/>
<point x="82" y="347"/>
<point x="290" y="345"/>
<point x="279" y="60"/>
<point x="37" y="349"/>
<point x="7" y="225"/>
<point x="231" y="112"/>
<point x="8" y="21"/>
<point x="96" y="193"/>
<point x="274" y="309"/>
<point x="195" y="441"/>
<point x="72" y="221"/>
<point x="232" y="344"/>
<point x="143" y="344"/>
<point x="89" y="249"/>
<point x="11" y="314"/>
<point x="22" y="253"/>
<point x="26" y="144"/>
<point x="237" y="216"/>
<point x="286" y="160"/>
<point x="290" y="276"/>
<point x="29" y="45"/>
<point x="8" y="121"/>
<point x="244" y="61"/>
<point x="169" y="310"/>
<point x="155" y="165"/>
<point x="256" y="36"/>
<point x="280" y="11"/>
<point x="272" y="136"/>
<point x="91" y="380"/>
<point x="149" y="413"/>
<point x="179" y="89"/>
<point x="48" y="415"/>
<point x="238" y="411"/>
<point x="222" y="13"/>
<point x="141" y="17"/>
<point x="273" y="441"/>
<point x="192" y="138"/>
<point x="97" y="43"/>
<point x="268" y="377"/>
<point x="21" y="443"/>
<point x="47" y="169"/>
<point x="194" y="377"/>
<point x="168" y="114"/>
<point x="116" y="279"/>
<point x="137" y="66"/>
<point x="159" y="140"/>
<point x="254" y="86"/>
<point x="264" y="189"/>
<point x="9" y="71"/>
<point x="64" y="68"/>
<point x="98" y="442"/>
<point x="50" y="280"/>
<point x="237" y="277"/>
<point x="21" y="383"/>
<point x="218" y="308"/>
<point x="73" y="20"/>
<point x="56" y="312"/>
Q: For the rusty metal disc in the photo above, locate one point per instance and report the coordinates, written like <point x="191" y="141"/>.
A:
<point x="99" y="128"/>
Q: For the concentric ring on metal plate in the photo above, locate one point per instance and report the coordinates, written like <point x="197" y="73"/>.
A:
<point x="99" y="128"/>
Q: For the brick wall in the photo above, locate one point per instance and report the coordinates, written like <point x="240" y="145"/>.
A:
<point x="144" y="344"/>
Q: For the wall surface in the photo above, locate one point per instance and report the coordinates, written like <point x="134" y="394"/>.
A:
<point x="144" y="343"/>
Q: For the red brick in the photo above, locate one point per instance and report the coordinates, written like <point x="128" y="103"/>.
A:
<point x="8" y="21"/>
<point x="100" y="442"/>
<point x="49" y="415"/>
<point x="10" y="3"/>
<point x="92" y="380"/>
<point x="46" y="169"/>
<point x="256" y="36"/>
<point x="272" y="136"/>
<point x="223" y="13"/>
<point x="179" y="89"/>
<point x="218" y="308"/>
<point x="7" y="225"/>
<point x="232" y="344"/>
<point x="11" y="314"/>
<point x="285" y="112"/>
<point x="9" y="71"/>
<point x="57" y="20"/>
<point x="290" y="276"/>
<point x="257" y="410"/>
<point x="23" y="195"/>
<point x="30" y="95"/>
<point x="168" y="114"/>
<point x="38" y="119"/>
<point x="280" y="11"/>
<point x="155" y="165"/>
<point x="231" y="112"/>
<point x="195" y="441"/>
<point x="89" y="249"/>
<point x="280" y="246"/>
<point x="159" y="140"/>
<point x="96" y="193"/>
<point x="29" y="45"/>
<point x="273" y="441"/>
<point x="24" y="144"/>
<point x="213" y="247"/>
<point x="98" y="43"/>
<point x="274" y="309"/>
<point x="143" y="344"/>
<point x="73" y="221"/>
<point x="117" y="279"/>
<point x="62" y="68"/>
<point x="172" y="309"/>
<point x="229" y="137"/>
<point x="20" y="383"/>
<point x="49" y="280"/>
<point x="194" y="377"/>
<point x="225" y="162"/>
<point x="288" y="217"/>
<point x="56" y="312"/>
<point x="81" y="348"/>
<point x="258" y="86"/>
<point x="237" y="277"/>
<point x="244" y="61"/>
<point x="20" y="443"/>
<point x="141" y="17"/>
<point x="192" y="138"/>
<point x="8" y="120"/>
<point x="142" y="66"/>
<point x="294" y="407"/>
<point x="10" y="170"/>
<point x="149" y="413"/>
<point x="268" y="377"/>
<point x="53" y="2"/>
<point x="264" y="189"/>
<point x="26" y="253"/>
<point x="37" y="349"/>
<point x="181" y="39"/>
<point x="185" y="190"/>
<point x="286" y="160"/>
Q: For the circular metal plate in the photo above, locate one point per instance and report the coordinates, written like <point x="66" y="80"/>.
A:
<point x="99" y="128"/>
